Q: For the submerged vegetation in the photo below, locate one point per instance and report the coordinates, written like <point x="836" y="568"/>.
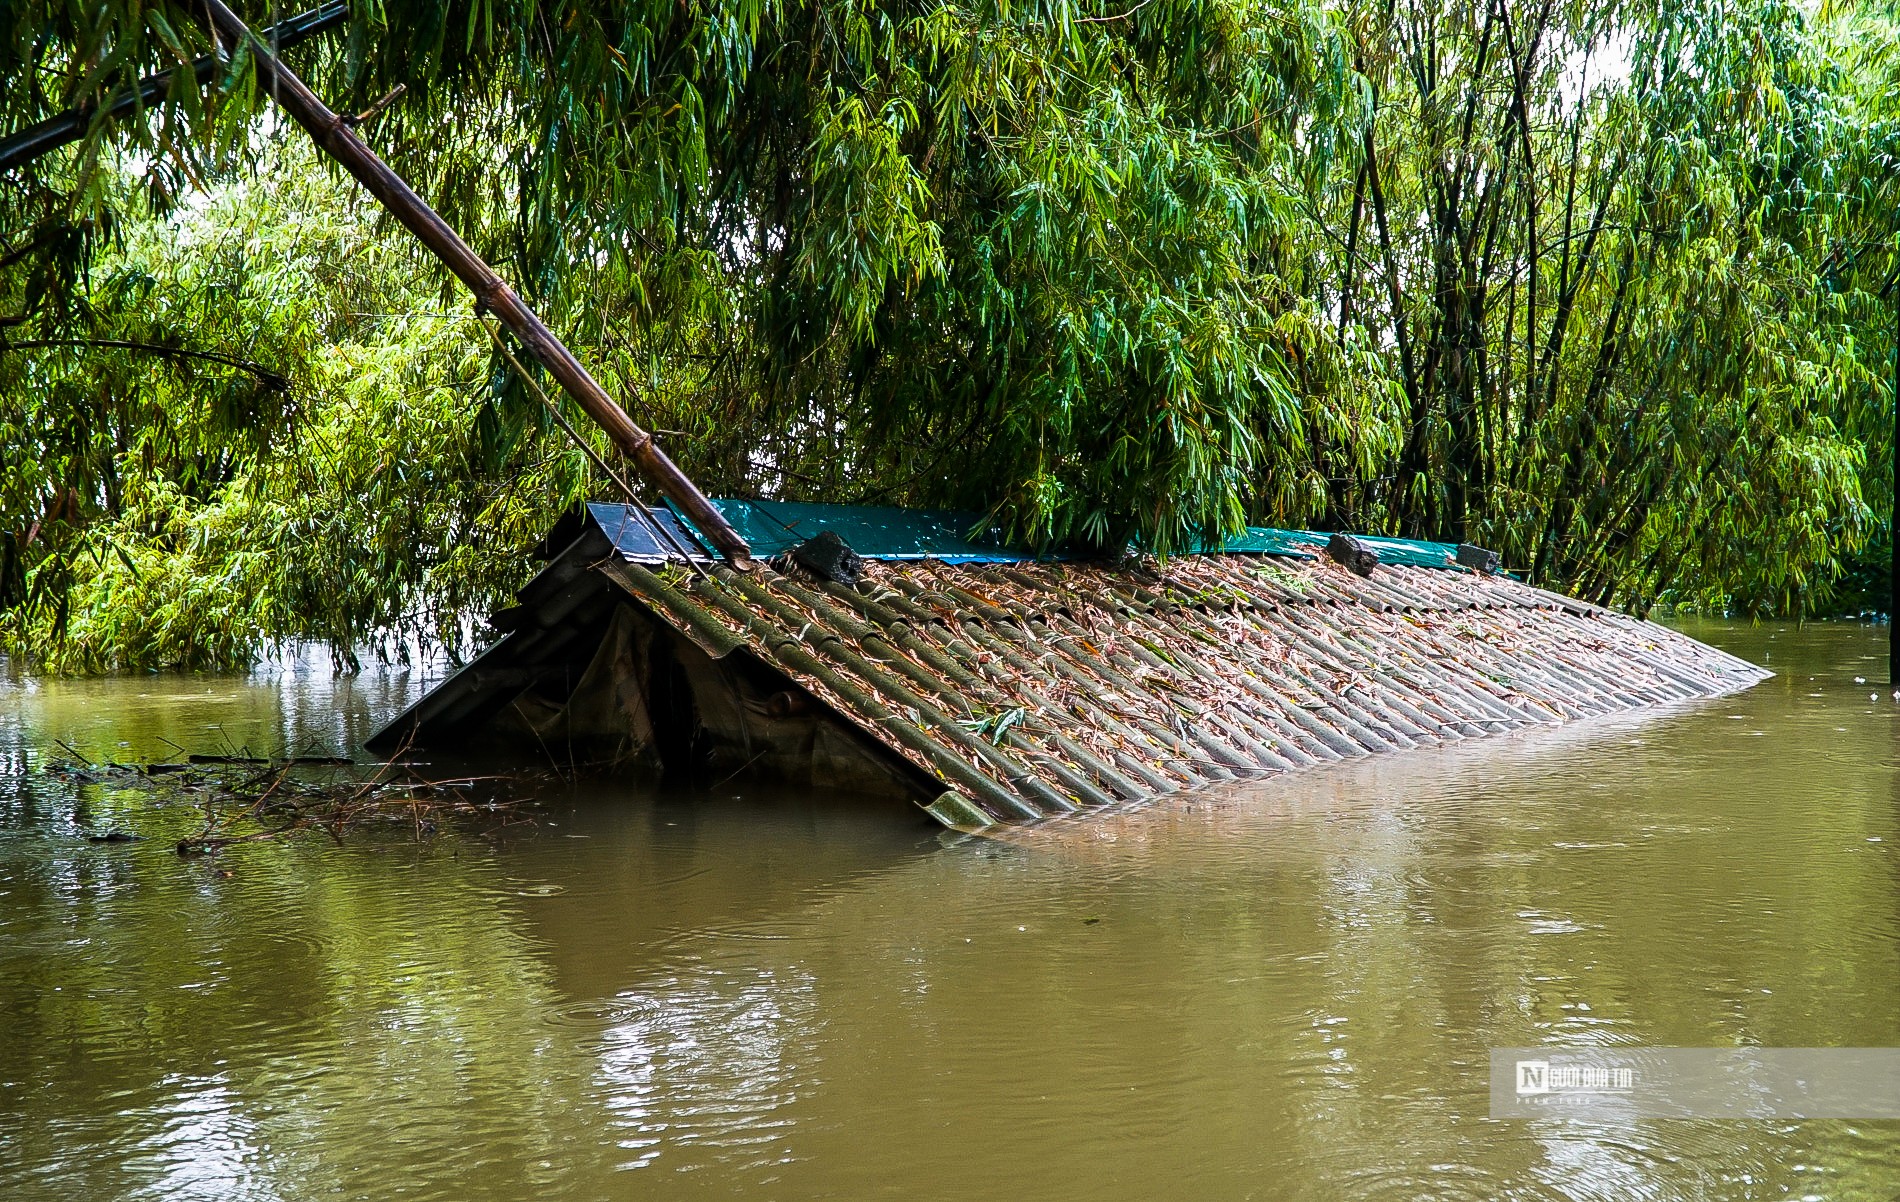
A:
<point x="245" y="799"/>
<point x="1608" y="288"/>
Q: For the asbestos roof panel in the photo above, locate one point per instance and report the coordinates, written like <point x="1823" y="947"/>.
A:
<point x="1032" y="690"/>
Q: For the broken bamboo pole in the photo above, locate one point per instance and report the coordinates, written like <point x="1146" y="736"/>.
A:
<point x="334" y="137"/>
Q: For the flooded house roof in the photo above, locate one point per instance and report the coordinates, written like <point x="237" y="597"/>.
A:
<point x="994" y="688"/>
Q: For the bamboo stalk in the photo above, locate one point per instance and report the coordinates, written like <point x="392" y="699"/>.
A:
<point x="334" y="137"/>
<point x="662" y="537"/>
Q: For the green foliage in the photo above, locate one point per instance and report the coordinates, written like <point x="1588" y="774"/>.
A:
<point x="1599" y="286"/>
<point x="1613" y="277"/>
<point x="215" y="514"/>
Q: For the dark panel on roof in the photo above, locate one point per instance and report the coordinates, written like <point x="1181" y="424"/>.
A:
<point x="641" y="534"/>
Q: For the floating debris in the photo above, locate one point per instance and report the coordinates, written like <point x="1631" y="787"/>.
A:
<point x="248" y="799"/>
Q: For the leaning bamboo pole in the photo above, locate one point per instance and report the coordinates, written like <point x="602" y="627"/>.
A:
<point x="334" y="137"/>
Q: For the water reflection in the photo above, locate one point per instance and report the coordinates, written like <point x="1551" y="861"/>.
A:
<point x="1283" y="990"/>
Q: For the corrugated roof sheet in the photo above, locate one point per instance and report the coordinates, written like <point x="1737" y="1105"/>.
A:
<point x="1033" y="690"/>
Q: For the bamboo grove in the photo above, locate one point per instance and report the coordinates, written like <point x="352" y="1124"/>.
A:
<point x="1608" y="287"/>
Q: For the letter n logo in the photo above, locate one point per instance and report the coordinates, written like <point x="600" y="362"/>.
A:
<point x="1533" y="1077"/>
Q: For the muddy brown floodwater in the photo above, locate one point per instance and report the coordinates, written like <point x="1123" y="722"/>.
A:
<point x="1286" y="990"/>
